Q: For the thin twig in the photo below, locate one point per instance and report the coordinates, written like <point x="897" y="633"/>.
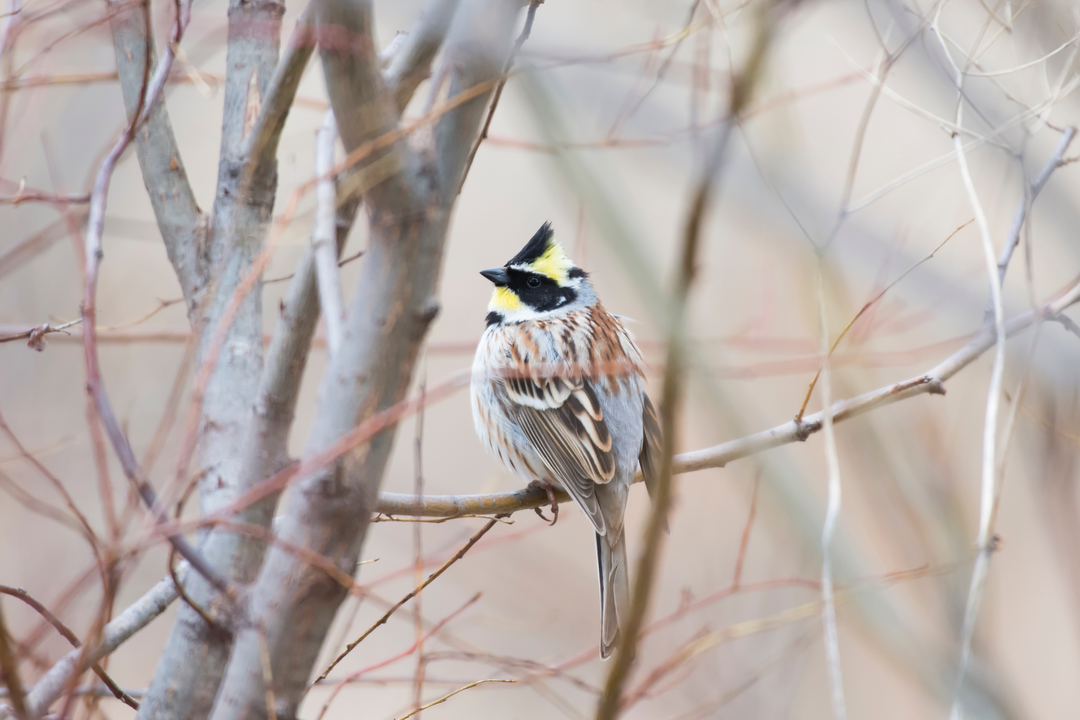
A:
<point x="525" y="32"/>
<point x="832" y="512"/>
<point x="417" y="590"/>
<point x="1057" y="159"/>
<point x="417" y="645"/>
<point x="137" y="616"/>
<point x="446" y="697"/>
<point x="862" y="311"/>
<point x="36" y="335"/>
<point x="993" y="400"/>
<point x="68" y="635"/>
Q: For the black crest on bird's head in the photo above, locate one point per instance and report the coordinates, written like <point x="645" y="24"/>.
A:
<point x="537" y="246"/>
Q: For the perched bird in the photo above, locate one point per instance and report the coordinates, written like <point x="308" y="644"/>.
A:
<point x="558" y="398"/>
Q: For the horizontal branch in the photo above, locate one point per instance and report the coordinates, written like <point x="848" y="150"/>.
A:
<point x="718" y="456"/>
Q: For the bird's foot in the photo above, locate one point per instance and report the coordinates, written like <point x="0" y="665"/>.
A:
<point x="546" y="487"/>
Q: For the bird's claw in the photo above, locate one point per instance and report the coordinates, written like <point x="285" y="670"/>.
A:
<point x="551" y="499"/>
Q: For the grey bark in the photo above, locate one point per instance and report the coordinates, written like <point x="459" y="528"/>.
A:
<point x="133" y="619"/>
<point x="178" y="216"/>
<point x="292" y="603"/>
<point x="187" y="676"/>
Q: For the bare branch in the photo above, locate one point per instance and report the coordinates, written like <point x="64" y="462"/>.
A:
<point x="411" y="63"/>
<point x="178" y="216"/>
<point x="1013" y="238"/>
<point x="832" y="511"/>
<point x="324" y="237"/>
<point x="68" y="635"/>
<point x="660" y="490"/>
<point x="9" y="669"/>
<point x="930" y="382"/>
<point x="148" y="97"/>
<point x="232" y="357"/>
<point x="475" y="54"/>
<point x="416" y="591"/>
<point x="51" y="686"/>
<point x="261" y="143"/>
<point x="446" y="697"/>
<point x="35" y="336"/>
<point x="525" y="32"/>
<point x="388" y="317"/>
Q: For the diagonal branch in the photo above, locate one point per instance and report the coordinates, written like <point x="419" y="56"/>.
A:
<point x="68" y="635"/>
<point x="178" y="216"/>
<point x="137" y="616"/>
<point x="1013" y="239"/>
<point x="411" y="63"/>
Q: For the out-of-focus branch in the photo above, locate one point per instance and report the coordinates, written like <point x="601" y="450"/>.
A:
<point x="411" y="63"/>
<point x="660" y="492"/>
<point x="35" y="336"/>
<point x="68" y="635"/>
<point x="387" y="319"/>
<point x="324" y="236"/>
<point x="526" y="31"/>
<point x="988" y="480"/>
<point x="261" y="142"/>
<point x="178" y="216"/>
<point x="52" y="685"/>
<point x="9" y="669"/>
<point x="469" y="64"/>
<point x="931" y="382"/>
<point x="1013" y="239"/>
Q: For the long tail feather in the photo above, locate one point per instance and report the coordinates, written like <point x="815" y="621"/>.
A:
<point x="614" y="590"/>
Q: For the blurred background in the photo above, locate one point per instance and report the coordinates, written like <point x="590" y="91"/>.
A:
<point x="604" y="135"/>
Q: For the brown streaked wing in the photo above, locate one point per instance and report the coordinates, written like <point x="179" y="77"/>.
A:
<point x="649" y="458"/>
<point x="563" y="420"/>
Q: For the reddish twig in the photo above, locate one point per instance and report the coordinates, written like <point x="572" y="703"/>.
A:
<point x="352" y="677"/>
<point x="416" y="591"/>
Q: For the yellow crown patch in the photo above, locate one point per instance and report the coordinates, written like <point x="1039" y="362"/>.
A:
<point x="554" y="263"/>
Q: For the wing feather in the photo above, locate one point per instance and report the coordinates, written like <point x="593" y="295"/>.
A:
<point x="649" y="459"/>
<point x="563" y="420"/>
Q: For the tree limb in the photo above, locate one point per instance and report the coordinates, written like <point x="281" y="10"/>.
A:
<point x="718" y="456"/>
<point x="1013" y="239"/>
<point x="324" y="236"/>
<point x="68" y="635"/>
<point x="178" y="216"/>
<point x="51" y="686"/>
<point x="411" y="63"/>
<point x="387" y="319"/>
<point x="193" y="661"/>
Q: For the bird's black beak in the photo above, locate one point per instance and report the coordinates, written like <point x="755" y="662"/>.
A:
<point x="498" y="276"/>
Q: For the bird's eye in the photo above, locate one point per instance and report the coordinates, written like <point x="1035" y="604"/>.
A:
<point x="534" y="282"/>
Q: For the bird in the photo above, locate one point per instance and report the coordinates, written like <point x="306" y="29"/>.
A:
<point x="557" y="394"/>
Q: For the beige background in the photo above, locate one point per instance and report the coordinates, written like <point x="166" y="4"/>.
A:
<point x="910" y="472"/>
